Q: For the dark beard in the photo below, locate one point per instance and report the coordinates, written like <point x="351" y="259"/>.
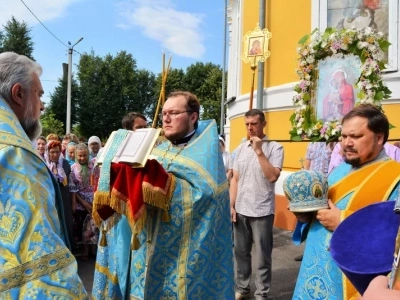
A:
<point x="32" y="128"/>
<point x="355" y="162"/>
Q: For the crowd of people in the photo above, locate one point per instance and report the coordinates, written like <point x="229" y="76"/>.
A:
<point x="209" y="197"/>
<point x="71" y="160"/>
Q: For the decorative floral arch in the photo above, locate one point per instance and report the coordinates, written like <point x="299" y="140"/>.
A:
<point x="368" y="45"/>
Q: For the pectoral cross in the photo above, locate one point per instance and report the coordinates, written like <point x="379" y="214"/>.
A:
<point x="301" y="161"/>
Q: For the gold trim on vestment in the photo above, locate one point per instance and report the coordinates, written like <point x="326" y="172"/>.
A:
<point x="370" y="184"/>
<point x="187" y="205"/>
<point x="350" y="182"/>
<point x="106" y="272"/>
<point x="35" y="269"/>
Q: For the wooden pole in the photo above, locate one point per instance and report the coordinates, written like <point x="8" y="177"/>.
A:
<point x="161" y="98"/>
<point x="253" y="74"/>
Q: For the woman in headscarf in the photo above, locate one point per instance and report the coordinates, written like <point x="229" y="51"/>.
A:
<point x="61" y="171"/>
<point x="94" y="144"/>
<point x="70" y="153"/>
<point x="82" y="198"/>
<point x="41" y="145"/>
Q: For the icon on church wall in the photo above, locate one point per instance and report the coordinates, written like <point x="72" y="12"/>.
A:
<point x="359" y="13"/>
<point x="256" y="45"/>
<point x="336" y="90"/>
<point x="379" y="15"/>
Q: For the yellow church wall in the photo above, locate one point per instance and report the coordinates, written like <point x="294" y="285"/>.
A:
<point x="392" y="111"/>
<point x="288" y="21"/>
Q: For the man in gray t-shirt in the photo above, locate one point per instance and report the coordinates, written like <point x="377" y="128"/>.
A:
<point x="256" y="168"/>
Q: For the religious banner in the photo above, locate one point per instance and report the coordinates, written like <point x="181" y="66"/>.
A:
<point x="256" y="45"/>
<point x="255" y="49"/>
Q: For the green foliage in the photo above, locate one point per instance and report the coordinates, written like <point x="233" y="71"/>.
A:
<point x="205" y="81"/>
<point x="304" y="39"/>
<point x="110" y="87"/>
<point x="16" y="38"/>
<point x="50" y="124"/>
<point x="58" y="102"/>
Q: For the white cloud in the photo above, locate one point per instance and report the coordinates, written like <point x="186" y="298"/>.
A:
<point x="178" y="32"/>
<point x="44" y="9"/>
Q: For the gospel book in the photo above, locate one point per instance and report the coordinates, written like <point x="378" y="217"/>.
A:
<point x="134" y="149"/>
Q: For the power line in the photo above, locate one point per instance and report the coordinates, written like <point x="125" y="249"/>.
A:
<point x="43" y="24"/>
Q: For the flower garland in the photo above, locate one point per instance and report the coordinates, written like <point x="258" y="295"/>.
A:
<point x="368" y="45"/>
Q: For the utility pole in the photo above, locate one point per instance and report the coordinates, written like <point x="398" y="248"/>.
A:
<point x="70" y="51"/>
<point x="222" y="121"/>
<point x="260" y="83"/>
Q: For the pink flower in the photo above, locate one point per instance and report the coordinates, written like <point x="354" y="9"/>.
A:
<point x="323" y="129"/>
<point x="303" y="85"/>
<point x="336" y="45"/>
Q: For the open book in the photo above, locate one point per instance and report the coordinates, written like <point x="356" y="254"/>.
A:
<point x="134" y="150"/>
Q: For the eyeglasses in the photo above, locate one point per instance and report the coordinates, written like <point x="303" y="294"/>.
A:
<point x="173" y="114"/>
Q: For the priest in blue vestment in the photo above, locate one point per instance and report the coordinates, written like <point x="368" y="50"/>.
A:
<point x="35" y="262"/>
<point x="183" y="251"/>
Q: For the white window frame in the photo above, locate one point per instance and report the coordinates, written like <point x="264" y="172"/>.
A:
<point x="320" y="18"/>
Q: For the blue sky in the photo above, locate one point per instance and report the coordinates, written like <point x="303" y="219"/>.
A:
<point x="189" y="30"/>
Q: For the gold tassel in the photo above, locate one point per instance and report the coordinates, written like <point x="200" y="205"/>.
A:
<point x="135" y="244"/>
<point x="166" y="217"/>
<point x="103" y="240"/>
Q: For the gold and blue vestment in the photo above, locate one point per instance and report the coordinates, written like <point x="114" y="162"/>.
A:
<point x="319" y="277"/>
<point x="189" y="257"/>
<point x="34" y="260"/>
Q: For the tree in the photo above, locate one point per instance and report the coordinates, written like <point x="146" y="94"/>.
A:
<point x="58" y="101"/>
<point x="110" y="87"/>
<point x="205" y="81"/>
<point x="175" y="81"/>
<point x="16" y="38"/>
<point x="1" y="41"/>
<point x="210" y="93"/>
<point x="50" y="124"/>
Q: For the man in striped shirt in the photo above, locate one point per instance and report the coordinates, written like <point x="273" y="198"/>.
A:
<point x="257" y="166"/>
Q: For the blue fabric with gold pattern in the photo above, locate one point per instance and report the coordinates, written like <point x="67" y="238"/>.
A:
<point x="319" y="277"/>
<point x="34" y="260"/>
<point x="189" y="257"/>
<point x="306" y="190"/>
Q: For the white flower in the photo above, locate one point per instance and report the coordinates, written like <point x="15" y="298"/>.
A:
<point x="310" y="59"/>
<point x="333" y="131"/>
<point x="338" y="55"/>
<point x="299" y="131"/>
<point x="368" y="30"/>
<point x="380" y="55"/>
<point x="369" y="100"/>
<point x="361" y="45"/>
